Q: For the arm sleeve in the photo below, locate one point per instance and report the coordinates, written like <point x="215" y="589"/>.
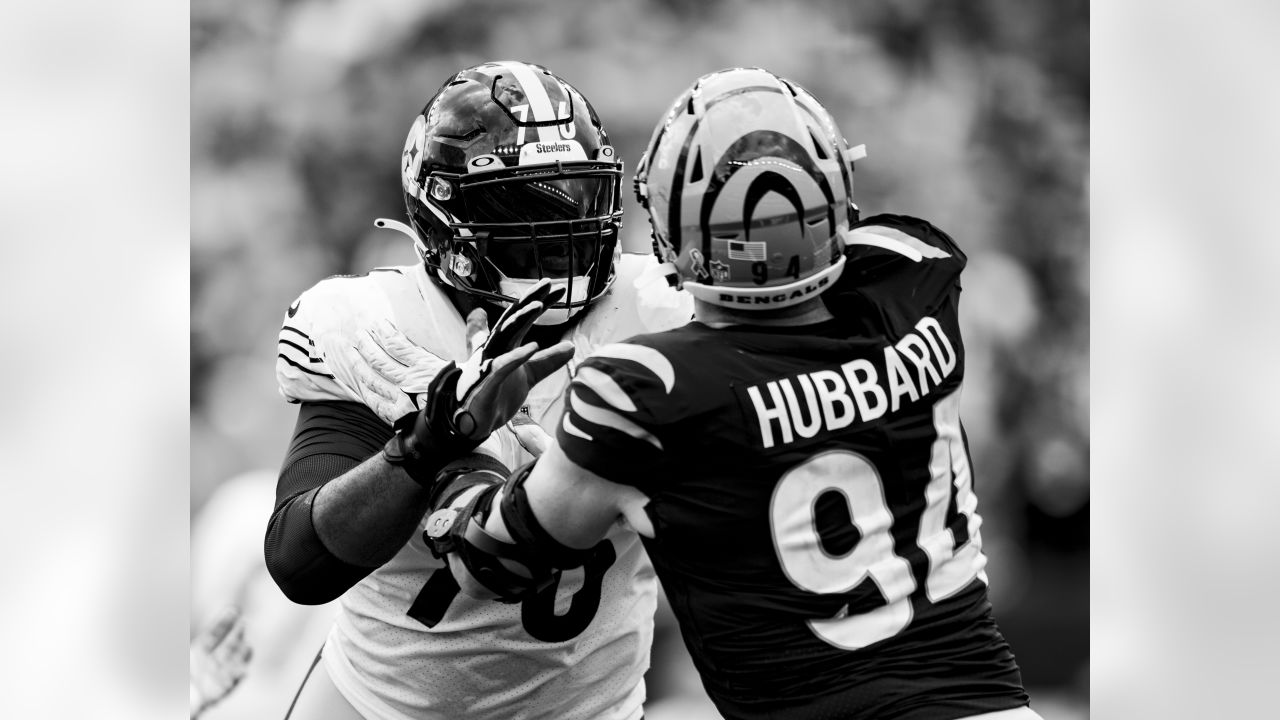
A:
<point x="611" y="423"/>
<point x="330" y="438"/>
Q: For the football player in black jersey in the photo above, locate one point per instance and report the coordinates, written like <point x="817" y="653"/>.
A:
<point x="794" y="458"/>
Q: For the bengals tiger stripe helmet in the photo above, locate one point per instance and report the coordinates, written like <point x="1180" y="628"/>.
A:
<point x="509" y="177"/>
<point x="749" y="188"/>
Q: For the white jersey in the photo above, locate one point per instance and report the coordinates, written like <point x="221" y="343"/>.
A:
<point x="579" y="649"/>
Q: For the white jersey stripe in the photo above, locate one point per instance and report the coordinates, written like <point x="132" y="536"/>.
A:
<point x="606" y="388"/>
<point x="540" y="109"/>
<point x="893" y="239"/>
<point x="610" y="419"/>
<point x="572" y="429"/>
<point x="651" y="359"/>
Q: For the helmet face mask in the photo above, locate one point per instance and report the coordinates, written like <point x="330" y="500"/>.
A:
<point x="508" y="178"/>
<point x="748" y="186"/>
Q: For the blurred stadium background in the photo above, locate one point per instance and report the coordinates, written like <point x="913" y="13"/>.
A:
<point x="975" y="116"/>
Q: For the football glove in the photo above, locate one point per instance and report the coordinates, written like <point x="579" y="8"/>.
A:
<point x="395" y="374"/>
<point x="219" y="659"/>
<point x="528" y="433"/>
<point x="465" y="403"/>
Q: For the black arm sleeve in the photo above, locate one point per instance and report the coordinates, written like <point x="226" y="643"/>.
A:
<point x="329" y="439"/>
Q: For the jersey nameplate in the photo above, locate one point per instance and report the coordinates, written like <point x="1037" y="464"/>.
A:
<point x="800" y="407"/>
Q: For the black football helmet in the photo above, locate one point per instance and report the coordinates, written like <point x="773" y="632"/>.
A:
<point x="509" y="177"/>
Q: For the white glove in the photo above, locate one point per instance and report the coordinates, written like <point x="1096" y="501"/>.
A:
<point x="219" y="659"/>
<point x="393" y="374"/>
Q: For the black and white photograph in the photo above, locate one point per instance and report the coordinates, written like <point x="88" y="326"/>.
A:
<point x="653" y="359"/>
<point x="662" y="359"/>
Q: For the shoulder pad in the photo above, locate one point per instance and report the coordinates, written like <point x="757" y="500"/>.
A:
<point x="640" y="301"/>
<point x="315" y="349"/>
<point x="616" y="408"/>
<point x="919" y="235"/>
<point x="883" y="291"/>
<point x="302" y="372"/>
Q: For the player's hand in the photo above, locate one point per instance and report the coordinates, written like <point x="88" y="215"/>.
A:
<point x="496" y="379"/>
<point x="477" y="330"/>
<point x="395" y="373"/>
<point x="219" y="659"/>
<point x="530" y="434"/>
<point x="468" y="402"/>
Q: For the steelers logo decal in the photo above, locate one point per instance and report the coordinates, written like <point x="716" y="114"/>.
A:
<point x="411" y="158"/>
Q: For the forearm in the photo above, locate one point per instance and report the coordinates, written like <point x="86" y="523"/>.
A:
<point x="343" y="524"/>
<point x="367" y="514"/>
<point x="341" y="510"/>
<point x="576" y="508"/>
<point x="513" y="540"/>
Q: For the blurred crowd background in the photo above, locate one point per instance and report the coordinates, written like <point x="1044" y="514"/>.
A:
<point x="975" y="116"/>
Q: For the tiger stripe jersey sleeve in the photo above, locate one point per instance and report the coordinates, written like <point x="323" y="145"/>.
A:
<point x="614" y="409"/>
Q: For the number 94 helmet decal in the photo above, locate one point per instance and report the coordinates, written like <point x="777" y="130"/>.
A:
<point x="508" y="178"/>
<point x="749" y="188"/>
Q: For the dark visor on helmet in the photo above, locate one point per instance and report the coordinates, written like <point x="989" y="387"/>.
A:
<point x="534" y="199"/>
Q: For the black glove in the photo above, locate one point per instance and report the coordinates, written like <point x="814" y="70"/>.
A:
<point x="465" y="403"/>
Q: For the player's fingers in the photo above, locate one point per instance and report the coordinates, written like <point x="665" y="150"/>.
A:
<point x="510" y="332"/>
<point x="242" y="659"/>
<point x="230" y="646"/>
<point x="554" y="295"/>
<point x="400" y="348"/>
<point x="545" y="362"/>
<point x="530" y="435"/>
<point x="477" y="329"/>
<point x="506" y="363"/>
<point x="373" y="382"/>
<point x="535" y="293"/>
<point x="213" y="636"/>
<point x="376" y="357"/>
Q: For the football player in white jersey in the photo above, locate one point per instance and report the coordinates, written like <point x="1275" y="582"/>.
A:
<point x="510" y="182"/>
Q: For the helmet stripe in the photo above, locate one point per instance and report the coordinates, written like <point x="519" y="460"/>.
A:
<point x="674" y="225"/>
<point x="540" y="109"/>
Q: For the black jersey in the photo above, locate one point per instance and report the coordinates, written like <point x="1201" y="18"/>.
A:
<point x="817" y="531"/>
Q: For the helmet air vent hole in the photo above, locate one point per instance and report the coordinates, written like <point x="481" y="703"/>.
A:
<point x="696" y="173"/>
<point x="817" y="146"/>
